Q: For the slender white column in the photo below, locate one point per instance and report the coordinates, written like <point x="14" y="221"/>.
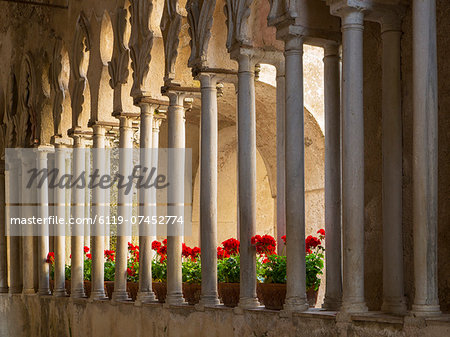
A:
<point x="15" y="277"/>
<point x="353" y="161"/>
<point x="60" y="228"/>
<point x="87" y="201"/>
<point x="146" y="208"/>
<point x="247" y="179"/>
<point x="98" y="211"/>
<point x="107" y="208"/>
<point x="333" y="291"/>
<point x="43" y="212"/>
<point x="124" y="210"/>
<point x="425" y="158"/>
<point x="393" y="291"/>
<point x="208" y="189"/>
<point x="295" y="177"/>
<point x="27" y="231"/>
<point x="3" y="242"/>
<point x="176" y="124"/>
<point x="78" y="204"/>
<point x="281" y="157"/>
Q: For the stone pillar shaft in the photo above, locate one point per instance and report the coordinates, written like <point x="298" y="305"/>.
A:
<point x="146" y="207"/>
<point x="425" y="158"/>
<point x="393" y="291"/>
<point x="247" y="180"/>
<point x="125" y="201"/>
<point x="353" y="161"/>
<point x="3" y="241"/>
<point x="60" y="228"/>
<point x="98" y="210"/>
<point x="295" y="177"/>
<point x="208" y="189"/>
<point x="281" y="157"/>
<point x="333" y="292"/>
<point x="176" y="140"/>
<point x="77" y="238"/>
<point x="43" y="238"/>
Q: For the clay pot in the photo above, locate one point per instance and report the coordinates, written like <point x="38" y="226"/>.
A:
<point x="133" y="288"/>
<point x="229" y="294"/>
<point x="192" y="292"/>
<point x="160" y="290"/>
<point x="273" y="295"/>
<point x="109" y="286"/>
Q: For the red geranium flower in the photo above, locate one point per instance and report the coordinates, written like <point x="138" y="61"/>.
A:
<point x="265" y="244"/>
<point x="165" y="242"/>
<point x="284" y="238"/>
<point x="155" y="245"/>
<point x="186" y="251"/>
<point x="162" y="250"/>
<point x="86" y="249"/>
<point x="222" y="253"/>
<point x="50" y="257"/>
<point x="231" y="246"/>
<point x="89" y="256"/>
<point x="321" y="232"/>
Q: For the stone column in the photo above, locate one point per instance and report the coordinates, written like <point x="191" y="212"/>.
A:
<point x="353" y="161"/>
<point x="281" y="165"/>
<point x="43" y="213"/>
<point x="208" y="189"/>
<point x="146" y="209"/>
<point x="107" y="208"/>
<point x="333" y="291"/>
<point x="247" y="179"/>
<point x="15" y="276"/>
<point x="60" y="227"/>
<point x="77" y="235"/>
<point x="425" y="158"/>
<point x="295" y="177"/>
<point x="27" y="211"/>
<point x="3" y="241"/>
<point x="87" y="200"/>
<point x="125" y="201"/>
<point x="176" y="132"/>
<point x="98" y="211"/>
<point x="393" y="291"/>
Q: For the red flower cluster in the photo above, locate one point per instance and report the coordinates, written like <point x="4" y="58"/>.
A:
<point x="188" y="252"/>
<point x="310" y="243"/>
<point x="265" y="244"/>
<point x="86" y="249"/>
<point x="321" y="232"/>
<point x="89" y="256"/>
<point x="132" y="247"/>
<point x="161" y="250"/>
<point x="110" y="255"/>
<point x="50" y="257"/>
<point x="231" y="246"/>
<point x="222" y="253"/>
<point x="156" y="245"/>
<point x="284" y="238"/>
<point x="131" y="272"/>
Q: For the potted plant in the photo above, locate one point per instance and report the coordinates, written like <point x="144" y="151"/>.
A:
<point x="109" y="271"/>
<point x="272" y="270"/>
<point x="191" y="274"/>
<point x="159" y="270"/>
<point x="228" y="272"/>
<point x="133" y="270"/>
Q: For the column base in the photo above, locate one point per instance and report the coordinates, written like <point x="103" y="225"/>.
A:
<point x="15" y="290"/>
<point x="44" y="292"/>
<point x="145" y="297"/>
<point x="248" y="303"/>
<point x="296" y="304"/>
<point x="332" y="304"/>
<point x="209" y="300"/>
<point x="425" y="310"/>
<point x="59" y="293"/>
<point x="394" y="306"/>
<point x="175" y="299"/>
<point x="28" y="291"/>
<point x="120" y="296"/>
<point x="77" y="293"/>
<point x="354" y="307"/>
<point x="4" y="290"/>
<point x="98" y="295"/>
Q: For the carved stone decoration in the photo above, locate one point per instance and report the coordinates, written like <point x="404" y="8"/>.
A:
<point x="200" y="18"/>
<point x="141" y="43"/>
<point x="118" y="66"/>
<point x="11" y="103"/>
<point x="57" y="87"/>
<point x="281" y="9"/>
<point x="81" y="45"/>
<point x="237" y="13"/>
<point x="170" y="28"/>
<point x="25" y="118"/>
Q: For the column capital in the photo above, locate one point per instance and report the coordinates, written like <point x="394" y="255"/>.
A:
<point x="331" y="50"/>
<point x="343" y="7"/>
<point x="158" y="118"/>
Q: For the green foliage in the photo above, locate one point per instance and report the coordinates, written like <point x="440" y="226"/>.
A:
<point x="314" y="267"/>
<point x="68" y="272"/>
<point x="273" y="269"/>
<point x="87" y="269"/>
<point x="110" y="269"/>
<point x="192" y="271"/>
<point x="159" y="271"/>
<point x="228" y="269"/>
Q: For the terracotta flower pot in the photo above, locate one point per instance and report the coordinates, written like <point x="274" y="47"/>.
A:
<point x="229" y="294"/>
<point x="160" y="290"/>
<point x="133" y="288"/>
<point x="273" y="295"/>
<point x="87" y="288"/>
<point x="192" y="292"/>
<point x="109" y="286"/>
